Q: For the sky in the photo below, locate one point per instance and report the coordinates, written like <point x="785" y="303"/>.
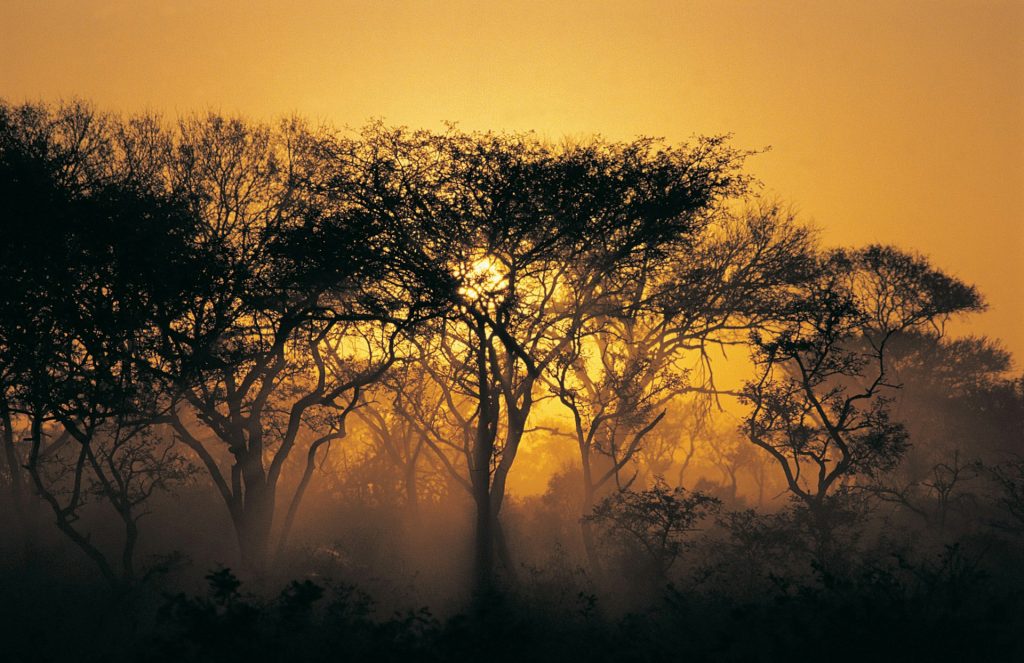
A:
<point x="898" y="122"/>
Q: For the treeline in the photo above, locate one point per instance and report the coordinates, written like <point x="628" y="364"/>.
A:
<point x="223" y="303"/>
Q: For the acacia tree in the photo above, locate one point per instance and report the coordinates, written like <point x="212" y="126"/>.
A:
<point x="293" y="320"/>
<point x="414" y="431"/>
<point x="820" y="404"/>
<point x="46" y="157"/>
<point x="1008" y="477"/>
<point x="657" y="520"/>
<point x="87" y="242"/>
<point x="519" y="243"/>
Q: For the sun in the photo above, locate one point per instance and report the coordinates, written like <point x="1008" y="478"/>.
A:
<point x="484" y="277"/>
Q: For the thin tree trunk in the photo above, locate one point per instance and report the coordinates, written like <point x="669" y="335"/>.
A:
<point x="587" y="532"/>
<point x="587" y="509"/>
<point x="300" y="492"/>
<point x="19" y="501"/>
<point x="411" y="493"/>
<point x="131" y="538"/>
<point x="61" y="513"/>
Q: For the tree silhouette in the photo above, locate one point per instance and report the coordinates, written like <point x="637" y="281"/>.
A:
<point x="819" y="405"/>
<point x="658" y="520"/>
<point x="625" y="366"/>
<point x="340" y="349"/>
<point x="278" y="339"/>
<point x="85" y="292"/>
<point x="520" y="244"/>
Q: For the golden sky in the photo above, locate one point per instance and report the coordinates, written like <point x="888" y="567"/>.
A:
<point x="889" y="121"/>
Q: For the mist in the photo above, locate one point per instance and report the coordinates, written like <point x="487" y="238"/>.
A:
<point x="295" y="391"/>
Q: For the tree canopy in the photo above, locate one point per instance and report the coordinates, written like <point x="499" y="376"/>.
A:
<point x="225" y="299"/>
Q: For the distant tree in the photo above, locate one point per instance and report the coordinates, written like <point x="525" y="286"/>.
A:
<point x="959" y="394"/>
<point x="403" y="418"/>
<point x="732" y="455"/>
<point x="652" y="342"/>
<point x="961" y="406"/>
<point x="1008" y="476"/>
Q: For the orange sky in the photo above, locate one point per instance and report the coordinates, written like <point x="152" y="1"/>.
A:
<point x="898" y="122"/>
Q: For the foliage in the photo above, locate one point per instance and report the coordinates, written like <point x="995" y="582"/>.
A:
<point x="819" y="405"/>
<point x="219" y="309"/>
<point x="658" y="520"/>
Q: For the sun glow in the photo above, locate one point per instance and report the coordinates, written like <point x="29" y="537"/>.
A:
<point x="484" y="277"/>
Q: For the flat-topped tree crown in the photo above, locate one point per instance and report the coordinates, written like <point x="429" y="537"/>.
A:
<point x="517" y="243"/>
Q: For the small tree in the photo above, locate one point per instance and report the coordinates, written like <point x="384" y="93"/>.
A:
<point x="657" y="521"/>
<point x="1008" y="477"/>
<point x="963" y="407"/>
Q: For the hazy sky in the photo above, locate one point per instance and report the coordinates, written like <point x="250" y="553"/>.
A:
<point x="897" y="122"/>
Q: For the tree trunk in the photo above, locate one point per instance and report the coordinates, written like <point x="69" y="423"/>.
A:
<point x="411" y="495"/>
<point x="257" y="518"/>
<point x="586" y="509"/>
<point x="253" y="534"/>
<point x="587" y="532"/>
<point x="19" y="498"/>
<point x="64" y="515"/>
<point x="480" y="473"/>
<point x="131" y="538"/>
<point x="483" y="562"/>
<point x="825" y="550"/>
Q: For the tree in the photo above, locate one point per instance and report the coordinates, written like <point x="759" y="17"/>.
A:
<point x="819" y="405"/>
<point x="403" y="419"/>
<point x="628" y="363"/>
<point x="658" y="521"/>
<point x="86" y="242"/>
<point x="960" y="404"/>
<point x="296" y="316"/>
<point x="1008" y="476"/>
<point x="520" y="243"/>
